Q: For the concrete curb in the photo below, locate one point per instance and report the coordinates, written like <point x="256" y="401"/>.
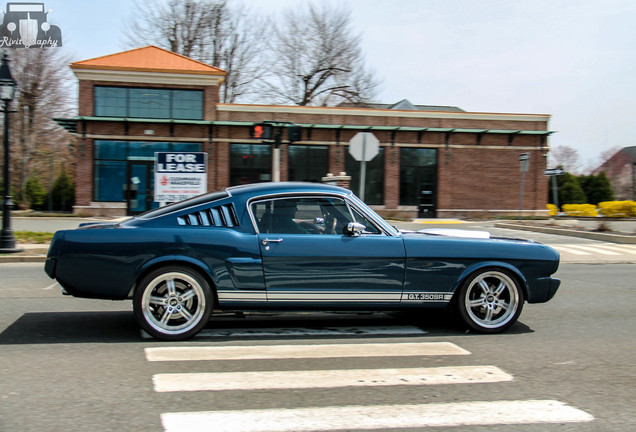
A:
<point x="608" y="237"/>
<point x="32" y="253"/>
<point x="21" y="259"/>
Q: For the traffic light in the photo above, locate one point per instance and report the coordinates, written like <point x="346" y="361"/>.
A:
<point x="262" y="131"/>
<point x="294" y="133"/>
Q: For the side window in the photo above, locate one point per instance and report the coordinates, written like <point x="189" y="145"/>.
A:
<point x="287" y="216"/>
<point x="315" y="215"/>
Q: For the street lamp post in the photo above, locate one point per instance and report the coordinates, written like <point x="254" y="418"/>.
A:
<point x="7" y="90"/>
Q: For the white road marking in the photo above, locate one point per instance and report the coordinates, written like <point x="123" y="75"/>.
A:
<point x="277" y="380"/>
<point x="323" y="331"/>
<point x="262" y="352"/>
<point x="376" y="417"/>
<point x="618" y="248"/>
<point x="595" y="250"/>
<point x="570" y="250"/>
<point x="53" y="285"/>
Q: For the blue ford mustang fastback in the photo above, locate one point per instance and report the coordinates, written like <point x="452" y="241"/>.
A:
<point x="293" y="246"/>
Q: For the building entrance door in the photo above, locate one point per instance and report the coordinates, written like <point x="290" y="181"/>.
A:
<point x="426" y="179"/>
<point x="140" y="188"/>
<point x="426" y="205"/>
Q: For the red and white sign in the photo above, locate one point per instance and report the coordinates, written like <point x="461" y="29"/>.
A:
<point x="180" y="175"/>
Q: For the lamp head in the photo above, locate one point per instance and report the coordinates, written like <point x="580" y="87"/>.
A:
<point x="7" y="83"/>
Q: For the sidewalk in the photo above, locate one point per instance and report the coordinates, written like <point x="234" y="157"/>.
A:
<point x="31" y="253"/>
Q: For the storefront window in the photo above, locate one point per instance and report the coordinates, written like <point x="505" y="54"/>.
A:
<point x="250" y="163"/>
<point x="187" y="104"/>
<point x="111" y="102"/>
<point x="374" y="184"/>
<point x="110" y="180"/>
<point x="156" y="103"/>
<point x="114" y="160"/>
<point x="418" y="176"/>
<point x="149" y="103"/>
<point x="308" y="163"/>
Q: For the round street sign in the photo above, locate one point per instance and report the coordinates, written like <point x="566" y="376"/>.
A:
<point x="364" y="146"/>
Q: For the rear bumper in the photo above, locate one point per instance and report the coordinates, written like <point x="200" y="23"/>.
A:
<point x="49" y="267"/>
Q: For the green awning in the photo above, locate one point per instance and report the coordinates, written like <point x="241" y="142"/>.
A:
<point x="70" y="125"/>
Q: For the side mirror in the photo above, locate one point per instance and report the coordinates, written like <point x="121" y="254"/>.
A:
<point x="354" y="229"/>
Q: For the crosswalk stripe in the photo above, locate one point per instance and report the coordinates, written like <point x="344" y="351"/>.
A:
<point x="277" y="380"/>
<point x="262" y="352"/>
<point x="596" y="250"/>
<point x="376" y="417"/>
<point x="621" y="249"/>
<point x="570" y="250"/>
<point x="309" y="332"/>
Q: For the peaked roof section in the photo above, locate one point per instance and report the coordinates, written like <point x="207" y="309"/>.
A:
<point x="404" y="105"/>
<point x="149" y="59"/>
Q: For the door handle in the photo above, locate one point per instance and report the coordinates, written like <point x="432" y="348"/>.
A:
<point x="266" y="241"/>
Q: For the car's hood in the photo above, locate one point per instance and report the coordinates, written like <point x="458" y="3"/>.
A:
<point x="460" y="233"/>
<point x="450" y="232"/>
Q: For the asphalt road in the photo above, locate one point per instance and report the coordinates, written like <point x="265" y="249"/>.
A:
<point x="82" y="365"/>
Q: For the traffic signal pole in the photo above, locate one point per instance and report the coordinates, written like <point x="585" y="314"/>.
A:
<point x="276" y="157"/>
<point x="272" y="132"/>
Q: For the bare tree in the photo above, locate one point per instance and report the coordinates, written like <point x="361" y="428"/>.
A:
<point x="566" y="157"/>
<point x="317" y="59"/>
<point x="40" y="147"/>
<point x="206" y="30"/>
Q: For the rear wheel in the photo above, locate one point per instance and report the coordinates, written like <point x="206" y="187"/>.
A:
<point x="173" y="303"/>
<point x="490" y="301"/>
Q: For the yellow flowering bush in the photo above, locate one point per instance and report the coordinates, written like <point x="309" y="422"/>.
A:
<point x="588" y="210"/>
<point x="618" y="208"/>
<point x="552" y="210"/>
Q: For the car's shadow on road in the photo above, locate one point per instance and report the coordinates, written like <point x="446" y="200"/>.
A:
<point x="72" y="327"/>
<point x="121" y="327"/>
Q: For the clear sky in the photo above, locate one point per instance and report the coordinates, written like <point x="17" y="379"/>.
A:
<point x="573" y="59"/>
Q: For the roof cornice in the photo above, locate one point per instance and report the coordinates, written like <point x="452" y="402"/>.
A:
<point x="368" y="112"/>
<point x="141" y="76"/>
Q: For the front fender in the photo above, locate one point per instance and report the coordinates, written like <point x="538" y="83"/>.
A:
<point x="492" y="264"/>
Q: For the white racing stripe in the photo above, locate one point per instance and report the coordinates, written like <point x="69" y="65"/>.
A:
<point x="277" y="380"/>
<point x="262" y="352"/>
<point x="322" y="331"/>
<point x="376" y="417"/>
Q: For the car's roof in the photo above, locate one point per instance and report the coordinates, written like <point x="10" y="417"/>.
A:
<point x="243" y="193"/>
<point x="283" y="188"/>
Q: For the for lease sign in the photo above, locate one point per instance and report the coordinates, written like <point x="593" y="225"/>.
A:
<point x="179" y="175"/>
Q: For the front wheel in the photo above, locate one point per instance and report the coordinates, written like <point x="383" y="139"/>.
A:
<point x="173" y="303"/>
<point x="490" y="301"/>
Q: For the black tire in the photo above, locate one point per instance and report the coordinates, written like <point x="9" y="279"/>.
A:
<point x="490" y="300"/>
<point x="173" y="303"/>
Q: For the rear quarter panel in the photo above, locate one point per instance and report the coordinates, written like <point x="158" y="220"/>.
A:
<point x="106" y="263"/>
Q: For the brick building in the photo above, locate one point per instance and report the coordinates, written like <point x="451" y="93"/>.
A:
<point x="621" y="171"/>
<point x="433" y="161"/>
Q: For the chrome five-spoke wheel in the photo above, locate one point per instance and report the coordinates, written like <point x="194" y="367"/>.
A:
<point x="490" y="301"/>
<point x="173" y="303"/>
